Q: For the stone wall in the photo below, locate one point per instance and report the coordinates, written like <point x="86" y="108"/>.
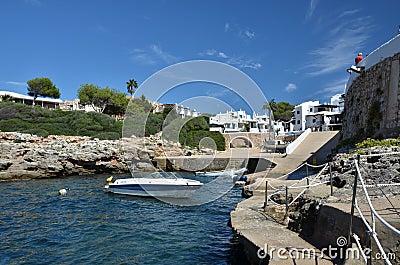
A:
<point x="372" y="101"/>
<point x="254" y="140"/>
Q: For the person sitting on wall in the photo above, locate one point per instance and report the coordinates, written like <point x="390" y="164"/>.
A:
<point x="355" y="68"/>
<point x="358" y="58"/>
<point x="159" y="150"/>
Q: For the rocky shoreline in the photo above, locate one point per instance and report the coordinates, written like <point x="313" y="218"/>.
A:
<point x="26" y="156"/>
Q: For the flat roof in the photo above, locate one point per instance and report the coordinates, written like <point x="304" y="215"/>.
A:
<point x="20" y="96"/>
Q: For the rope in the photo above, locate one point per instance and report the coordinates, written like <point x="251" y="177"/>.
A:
<point x="283" y="188"/>
<point x="382" y="185"/>
<point x="357" y="239"/>
<point x="383" y="221"/>
<point x="322" y="165"/>
<point x="310" y="186"/>
<point x="294" y="170"/>
<point x="372" y="231"/>
<point x="384" y="194"/>
<point x="279" y="188"/>
<point x="298" y="196"/>
<point x="381" y="154"/>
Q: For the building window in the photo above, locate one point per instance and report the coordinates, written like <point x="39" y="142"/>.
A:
<point x="298" y="121"/>
<point x="314" y="120"/>
<point x="298" y="112"/>
<point x="310" y="109"/>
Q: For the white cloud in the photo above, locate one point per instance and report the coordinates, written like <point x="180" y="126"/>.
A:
<point x="311" y="8"/>
<point x="346" y="39"/>
<point x="16" y="83"/>
<point x="222" y="55"/>
<point x="166" y="57"/>
<point x="249" y="34"/>
<point x="290" y="87"/>
<point x="238" y="61"/>
<point x="152" y="55"/>
<point x="240" y="31"/>
<point x="227" y="27"/>
<point x="332" y="88"/>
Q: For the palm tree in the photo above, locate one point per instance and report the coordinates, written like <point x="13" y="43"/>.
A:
<point x="271" y="105"/>
<point x="130" y="85"/>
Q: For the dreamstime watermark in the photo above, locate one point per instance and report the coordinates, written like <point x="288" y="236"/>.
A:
<point x="340" y="251"/>
<point x="214" y="83"/>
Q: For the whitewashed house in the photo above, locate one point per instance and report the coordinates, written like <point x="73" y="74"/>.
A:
<point x="239" y="121"/>
<point x="300" y="112"/>
<point x="182" y="111"/>
<point x="319" y="117"/>
<point x="231" y="121"/>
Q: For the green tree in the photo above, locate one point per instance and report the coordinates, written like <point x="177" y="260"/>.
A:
<point x="42" y="86"/>
<point x="130" y="85"/>
<point x="107" y="100"/>
<point x="117" y="104"/>
<point x="282" y="110"/>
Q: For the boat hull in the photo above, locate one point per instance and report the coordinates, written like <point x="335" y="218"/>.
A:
<point x="169" y="188"/>
<point x="227" y="172"/>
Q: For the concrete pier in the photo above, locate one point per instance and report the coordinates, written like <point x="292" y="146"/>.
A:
<point x="267" y="230"/>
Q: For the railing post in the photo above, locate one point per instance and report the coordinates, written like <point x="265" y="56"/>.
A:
<point x="353" y="201"/>
<point x="330" y="177"/>
<point x="287" y="203"/>
<point x="306" y="169"/>
<point x="308" y="183"/>
<point x="266" y="195"/>
<point x="368" y="245"/>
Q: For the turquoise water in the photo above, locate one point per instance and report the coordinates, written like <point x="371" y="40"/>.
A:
<point x="89" y="226"/>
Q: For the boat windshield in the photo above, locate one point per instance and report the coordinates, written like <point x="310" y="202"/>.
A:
<point x="152" y="171"/>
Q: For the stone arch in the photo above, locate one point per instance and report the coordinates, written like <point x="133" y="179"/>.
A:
<point x="241" y="142"/>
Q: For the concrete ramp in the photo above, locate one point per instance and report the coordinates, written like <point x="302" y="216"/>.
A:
<point x="313" y="149"/>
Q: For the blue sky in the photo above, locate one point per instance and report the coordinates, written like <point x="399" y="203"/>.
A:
<point x="295" y="51"/>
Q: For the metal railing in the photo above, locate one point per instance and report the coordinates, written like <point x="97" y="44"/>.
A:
<point x="374" y="215"/>
<point x="312" y="182"/>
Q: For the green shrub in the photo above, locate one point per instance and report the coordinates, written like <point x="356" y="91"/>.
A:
<point x="39" y="132"/>
<point x="21" y="118"/>
<point x="193" y="139"/>
<point x="368" y="143"/>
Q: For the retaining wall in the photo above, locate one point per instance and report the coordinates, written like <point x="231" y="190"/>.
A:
<point x="373" y="98"/>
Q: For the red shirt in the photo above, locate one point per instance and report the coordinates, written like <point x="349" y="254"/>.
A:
<point x="358" y="59"/>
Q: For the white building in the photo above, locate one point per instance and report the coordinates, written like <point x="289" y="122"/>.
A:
<point x="239" y="121"/>
<point x="76" y="105"/>
<point x="300" y="112"/>
<point x="282" y="127"/>
<point x="231" y="121"/>
<point x="260" y="123"/>
<point x="48" y="103"/>
<point x="338" y="100"/>
<point x="319" y="117"/>
<point x="182" y="111"/>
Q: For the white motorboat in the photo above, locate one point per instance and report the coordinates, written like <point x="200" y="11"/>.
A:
<point x="156" y="184"/>
<point x="226" y="172"/>
<point x="236" y="174"/>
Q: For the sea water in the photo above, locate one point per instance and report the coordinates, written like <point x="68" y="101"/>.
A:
<point x="89" y="226"/>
